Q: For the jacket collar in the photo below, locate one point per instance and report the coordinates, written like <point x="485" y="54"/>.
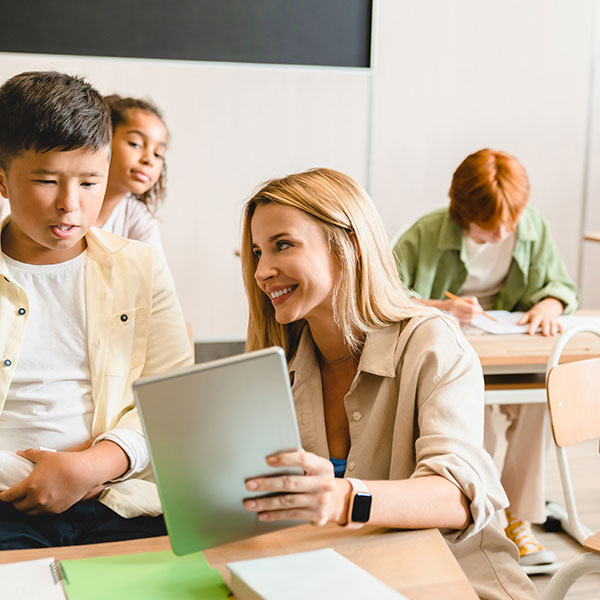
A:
<point x="377" y="356"/>
<point x="451" y="235"/>
<point x="526" y="229"/>
<point x="100" y="246"/>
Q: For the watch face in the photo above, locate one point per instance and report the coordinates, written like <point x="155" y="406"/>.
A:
<point x="361" y="508"/>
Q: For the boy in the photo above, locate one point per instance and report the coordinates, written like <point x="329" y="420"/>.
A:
<point x="83" y="313"/>
<point x="496" y="252"/>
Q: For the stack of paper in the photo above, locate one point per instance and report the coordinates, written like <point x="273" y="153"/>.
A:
<point x="305" y="575"/>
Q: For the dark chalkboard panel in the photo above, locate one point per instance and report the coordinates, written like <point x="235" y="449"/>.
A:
<point x="306" y="32"/>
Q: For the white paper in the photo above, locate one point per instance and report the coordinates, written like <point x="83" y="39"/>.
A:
<point x="31" y="580"/>
<point x="507" y="322"/>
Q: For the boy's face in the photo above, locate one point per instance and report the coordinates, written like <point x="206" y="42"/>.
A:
<point x="54" y="198"/>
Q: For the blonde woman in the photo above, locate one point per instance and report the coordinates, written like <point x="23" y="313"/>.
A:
<point x="388" y="393"/>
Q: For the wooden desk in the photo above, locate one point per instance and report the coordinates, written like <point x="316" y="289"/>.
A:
<point x="592" y="236"/>
<point x="416" y="563"/>
<point x="513" y="354"/>
<point x="514" y="366"/>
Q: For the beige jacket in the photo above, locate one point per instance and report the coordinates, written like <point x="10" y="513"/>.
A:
<point x="122" y="277"/>
<point x="415" y="408"/>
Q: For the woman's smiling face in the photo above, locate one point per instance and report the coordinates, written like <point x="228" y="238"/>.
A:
<point x="295" y="267"/>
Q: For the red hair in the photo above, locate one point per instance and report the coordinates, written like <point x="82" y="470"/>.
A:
<point x="488" y="188"/>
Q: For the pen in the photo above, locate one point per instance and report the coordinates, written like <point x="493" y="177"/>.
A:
<point x="455" y="297"/>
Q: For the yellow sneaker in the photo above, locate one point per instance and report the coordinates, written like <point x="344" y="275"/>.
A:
<point x="531" y="552"/>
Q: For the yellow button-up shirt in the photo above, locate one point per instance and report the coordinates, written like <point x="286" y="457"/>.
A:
<point x="135" y="328"/>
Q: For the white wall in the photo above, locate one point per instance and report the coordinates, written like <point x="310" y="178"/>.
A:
<point x="454" y="77"/>
<point x="450" y="77"/>
<point x="233" y="126"/>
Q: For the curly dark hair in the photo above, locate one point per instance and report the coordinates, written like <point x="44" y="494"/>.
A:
<point x="119" y="106"/>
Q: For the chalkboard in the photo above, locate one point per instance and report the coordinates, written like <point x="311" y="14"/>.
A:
<point x="300" y="32"/>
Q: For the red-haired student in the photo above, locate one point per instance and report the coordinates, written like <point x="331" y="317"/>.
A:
<point x="495" y="252"/>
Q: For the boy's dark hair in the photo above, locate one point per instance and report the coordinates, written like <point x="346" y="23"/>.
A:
<point x="119" y="106"/>
<point x="45" y="110"/>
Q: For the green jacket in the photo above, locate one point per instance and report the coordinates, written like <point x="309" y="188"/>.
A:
<point x="431" y="259"/>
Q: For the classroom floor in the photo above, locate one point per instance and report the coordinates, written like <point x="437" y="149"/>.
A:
<point x="584" y="462"/>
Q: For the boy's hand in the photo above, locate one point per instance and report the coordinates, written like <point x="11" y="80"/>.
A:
<point x="465" y="309"/>
<point x="58" y="480"/>
<point x="544" y="314"/>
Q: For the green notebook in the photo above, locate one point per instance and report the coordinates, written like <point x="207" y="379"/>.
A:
<point x="149" y="576"/>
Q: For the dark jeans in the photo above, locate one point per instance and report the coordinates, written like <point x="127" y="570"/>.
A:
<point x="86" y="522"/>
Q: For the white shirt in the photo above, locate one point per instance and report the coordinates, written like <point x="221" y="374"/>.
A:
<point x="488" y="265"/>
<point x="49" y="403"/>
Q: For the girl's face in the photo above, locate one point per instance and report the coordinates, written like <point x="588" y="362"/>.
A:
<point x="295" y="266"/>
<point x="138" y="151"/>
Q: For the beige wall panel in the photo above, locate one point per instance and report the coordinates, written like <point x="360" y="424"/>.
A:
<point x="590" y="263"/>
<point x="454" y="77"/>
<point x="232" y="126"/>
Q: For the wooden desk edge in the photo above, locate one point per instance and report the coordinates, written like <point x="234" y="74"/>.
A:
<point x="381" y="564"/>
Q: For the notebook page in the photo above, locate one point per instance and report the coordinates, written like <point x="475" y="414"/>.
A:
<point x="31" y="579"/>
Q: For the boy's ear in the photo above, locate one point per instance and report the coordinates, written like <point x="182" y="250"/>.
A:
<point x="3" y="186"/>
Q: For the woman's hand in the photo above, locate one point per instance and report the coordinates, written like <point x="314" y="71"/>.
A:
<point x="544" y="314"/>
<point x="316" y="496"/>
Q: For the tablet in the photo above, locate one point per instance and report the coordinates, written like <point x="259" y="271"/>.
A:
<point x="209" y="429"/>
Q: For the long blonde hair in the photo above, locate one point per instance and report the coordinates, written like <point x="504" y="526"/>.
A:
<point x="368" y="294"/>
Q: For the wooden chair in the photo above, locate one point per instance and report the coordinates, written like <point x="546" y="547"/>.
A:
<point x="574" y="404"/>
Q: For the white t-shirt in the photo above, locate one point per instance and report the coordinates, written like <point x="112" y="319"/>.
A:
<point x="488" y="266"/>
<point x="49" y="402"/>
<point x="131" y="219"/>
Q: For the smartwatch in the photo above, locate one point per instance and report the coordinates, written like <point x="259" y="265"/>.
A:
<point x="359" y="506"/>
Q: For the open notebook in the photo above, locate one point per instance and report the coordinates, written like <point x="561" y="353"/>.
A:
<point x="147" y="576"/>
<point x="507" y="322"/>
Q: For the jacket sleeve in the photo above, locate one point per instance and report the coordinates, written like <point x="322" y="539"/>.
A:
<point x="547" y="266"/>
<point x="450" y="420"/>
<point x="406" y="255"/>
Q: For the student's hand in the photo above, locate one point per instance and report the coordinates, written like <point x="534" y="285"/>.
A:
<point x="316" y="496"/>
<point x="465" y="309"/>
<point x="58" y="480"/>
<point x="544" y="314"/>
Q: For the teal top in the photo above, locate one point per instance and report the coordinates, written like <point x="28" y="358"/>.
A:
<point x="432" y="259"/>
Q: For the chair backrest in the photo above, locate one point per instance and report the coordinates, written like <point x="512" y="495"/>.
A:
<point x="574" y="401"/>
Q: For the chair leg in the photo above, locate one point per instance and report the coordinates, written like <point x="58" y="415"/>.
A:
<point x="566" y="576"/>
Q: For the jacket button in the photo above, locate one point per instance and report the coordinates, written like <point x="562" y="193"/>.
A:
<point x="22" y="311"/>
<point x="7" y="362"/>
<point x="351" y="465"/>
<point x="124" y="318"/>
<point x="356" y="415"/>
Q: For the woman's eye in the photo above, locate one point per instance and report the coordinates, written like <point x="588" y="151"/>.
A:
<point x="44" y="181"/>
<point x="134" y="144"/>
<point x="257" y="254"/>
<point x="159" y="156"/>
<point x="283" y="245"/>
<point x="88" y="184"/>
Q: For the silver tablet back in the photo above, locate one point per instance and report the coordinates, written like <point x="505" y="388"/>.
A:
<point x="209" y="429"/>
